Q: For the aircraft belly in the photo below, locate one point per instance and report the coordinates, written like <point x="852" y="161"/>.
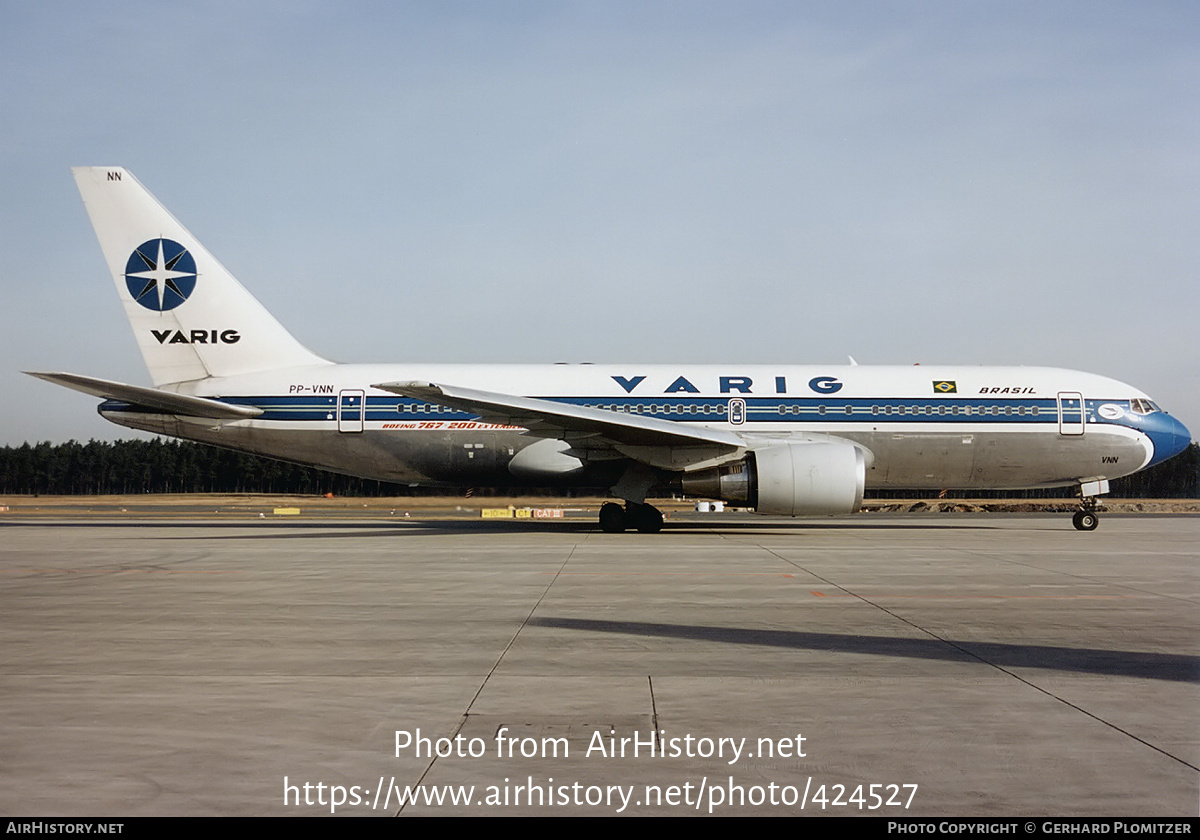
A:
<point x="404" y="456"/>
<point x="917" y="459"/>
<point x="913" y="459"/>
<point x="991" y="460"/>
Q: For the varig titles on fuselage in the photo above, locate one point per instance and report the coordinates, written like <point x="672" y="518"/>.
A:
<point x="776" y="385"/>
<point x="732" y="385"/>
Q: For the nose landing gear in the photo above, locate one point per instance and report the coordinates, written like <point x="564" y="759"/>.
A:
<point x="1087" y="518"/>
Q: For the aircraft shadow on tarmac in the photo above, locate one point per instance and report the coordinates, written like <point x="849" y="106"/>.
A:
<point x="366" y="527"/>
<point x="363" y="528"/>
<point x="1117" y="663"/>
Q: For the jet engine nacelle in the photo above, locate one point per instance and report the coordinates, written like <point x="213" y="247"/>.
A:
<point x="809" y="479"/>
<point x="789" y="479"/>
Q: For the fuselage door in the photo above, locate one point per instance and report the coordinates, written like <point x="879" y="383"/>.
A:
<point x="350" y="411"/>
<point x="1070" y="413"/>
<point x="737" y="412"/>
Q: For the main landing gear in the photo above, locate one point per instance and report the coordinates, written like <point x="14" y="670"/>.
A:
<point x="614" y="519"/>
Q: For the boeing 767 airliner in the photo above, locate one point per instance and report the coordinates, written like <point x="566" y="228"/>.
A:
<point x="793" y="441"/>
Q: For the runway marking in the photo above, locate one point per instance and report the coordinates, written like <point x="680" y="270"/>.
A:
<point x="964" y="648"/>
<point x="671" y="574"/>
<point x="512" y="641"/>
<point x="116" y="572"/>
<point x="983" y="597"/>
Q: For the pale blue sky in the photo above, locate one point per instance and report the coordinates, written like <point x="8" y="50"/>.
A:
<point x="960" y="182"/>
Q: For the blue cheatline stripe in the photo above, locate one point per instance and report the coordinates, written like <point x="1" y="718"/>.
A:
<point x="687" y="408"/>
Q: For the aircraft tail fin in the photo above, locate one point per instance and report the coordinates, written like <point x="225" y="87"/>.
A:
<point x="191" y="317"/>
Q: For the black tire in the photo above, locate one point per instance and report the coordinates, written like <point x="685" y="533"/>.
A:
<point x="1085" y="520"/>
<point x="647" y="519"/>
<point x="612" y="518"/>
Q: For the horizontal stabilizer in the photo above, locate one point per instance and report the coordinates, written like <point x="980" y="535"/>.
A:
<point x="163" y="401"/>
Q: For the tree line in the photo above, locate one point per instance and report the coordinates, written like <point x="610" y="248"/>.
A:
<point x="128" y="467"/>
<point x="171" y="466"/>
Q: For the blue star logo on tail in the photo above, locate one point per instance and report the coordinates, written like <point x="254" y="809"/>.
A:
<point x="160" y="274"/>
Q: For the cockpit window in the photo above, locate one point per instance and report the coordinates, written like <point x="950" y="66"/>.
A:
<point x="1140" y="406"/>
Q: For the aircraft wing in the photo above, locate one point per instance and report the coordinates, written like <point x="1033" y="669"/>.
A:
<point x="151" y="398"/>
<point x="651" y="440"/>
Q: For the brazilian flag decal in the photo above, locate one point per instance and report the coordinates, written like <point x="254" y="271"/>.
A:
<point x="946" y="386"/>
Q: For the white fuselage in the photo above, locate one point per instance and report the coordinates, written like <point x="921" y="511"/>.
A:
<point x="923" y="427"/>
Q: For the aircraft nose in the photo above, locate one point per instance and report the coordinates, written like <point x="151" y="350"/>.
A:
<point x="1169" y="436"/>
